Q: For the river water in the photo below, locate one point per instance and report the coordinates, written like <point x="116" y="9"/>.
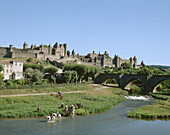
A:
<point x="112" y="122"/>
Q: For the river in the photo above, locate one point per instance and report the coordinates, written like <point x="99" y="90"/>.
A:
<point x="112" y="122"/>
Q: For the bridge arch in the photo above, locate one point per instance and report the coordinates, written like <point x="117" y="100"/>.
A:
<point x="155" y="81"/>
<point x="128" y="84"/>
<point x="127" y="79"/>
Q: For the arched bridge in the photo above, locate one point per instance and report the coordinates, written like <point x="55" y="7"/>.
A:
<point x="124" y="80"/>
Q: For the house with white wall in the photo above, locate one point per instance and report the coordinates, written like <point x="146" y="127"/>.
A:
<point x="12" y="69"/>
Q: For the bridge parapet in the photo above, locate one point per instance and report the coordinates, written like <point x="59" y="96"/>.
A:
<point x="101" y="78"/>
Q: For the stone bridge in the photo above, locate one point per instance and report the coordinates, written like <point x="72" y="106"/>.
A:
<point x="124" y="80"/>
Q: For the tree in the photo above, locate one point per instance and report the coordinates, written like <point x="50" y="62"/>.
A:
<point x="126" y="65"/>
<point x="68" y="75"/>
<point x="1" y="78"/>
<point x="1" y="68"/>
<point x="80" y="69"/>
<point x="74" y="77"/>
<point x="37" y="76"/>
<point x="144" y="71"/>
<point x="83" y="71"/>
<point x="52" y="72"/>
<point x="32" y="75"/>
<point x="33" y="66"/>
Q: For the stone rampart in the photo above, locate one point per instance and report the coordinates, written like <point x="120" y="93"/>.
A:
<point x="4" y="52"/>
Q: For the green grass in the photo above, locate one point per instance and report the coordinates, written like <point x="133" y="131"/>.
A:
<point x="93" y="102"/>
<point x="159" y="109"/>
<point x="48" y="88"/>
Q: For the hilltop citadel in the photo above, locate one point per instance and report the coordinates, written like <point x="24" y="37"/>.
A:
<point x="59" y="53"/>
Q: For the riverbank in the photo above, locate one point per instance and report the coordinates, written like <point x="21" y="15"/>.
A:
<point x="159" y="109"/>
<point x="94" y="101"/>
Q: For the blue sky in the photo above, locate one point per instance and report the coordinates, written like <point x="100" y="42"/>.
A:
<point x="122" y="27"/>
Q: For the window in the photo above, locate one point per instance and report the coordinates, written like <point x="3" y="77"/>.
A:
<point x="11" y="71"/>
<point x="7" y="70"/>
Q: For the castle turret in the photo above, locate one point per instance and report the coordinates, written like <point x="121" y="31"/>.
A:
<point x="25" y="45"/>
<point x="49" y="49"/>
<point x="12" y="53"/>
<point x="103" y="61"/>
<point x="135" y="62"/>
<point x="61" y="45"/>
<point x="65" y="50"/>
<point x="142" y="63"/>
<point x="117" y="61"/>
<point x="78" y="55"/>
<point x="73" y="53"/>
<point x="106" y="53"/>
<point x="35" y="46"/>
<point x="41" y="48"/>
<point x="11" y="48"/>
<point x="131" y="61"/>
<point x="56" y="45"/>
<point x="32" y="47"/>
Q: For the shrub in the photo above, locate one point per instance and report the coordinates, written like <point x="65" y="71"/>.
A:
<point x="9" y="83"/>
<point x="30" y="60"/>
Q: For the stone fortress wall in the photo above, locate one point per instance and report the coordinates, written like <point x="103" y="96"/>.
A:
<point x="60" y="53"/>
<point x="41" y="52"/>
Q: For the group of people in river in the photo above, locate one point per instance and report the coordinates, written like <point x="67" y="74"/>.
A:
<point x="53" y="116"/>
<point x="66" y="109"/>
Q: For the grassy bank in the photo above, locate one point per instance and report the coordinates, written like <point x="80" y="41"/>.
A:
<point x="48" y="88"/>
<point x="160" y="109"/>
<point x="94" y="101"/>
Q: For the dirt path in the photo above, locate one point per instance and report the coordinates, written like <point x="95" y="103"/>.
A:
<point x="68" y="92"/>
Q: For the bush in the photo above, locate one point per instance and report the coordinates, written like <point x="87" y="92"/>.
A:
<point x="67" y="77"/>
<point x="9" y="83"/>
<point x="126" y="65"/>
<point x="30" y="60"/>
<point x="110" y="80"/>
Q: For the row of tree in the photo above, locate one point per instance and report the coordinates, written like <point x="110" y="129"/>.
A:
<point x="127" y="69"/>
<point x="72" y="73"/>
<point x="83" y="72"/>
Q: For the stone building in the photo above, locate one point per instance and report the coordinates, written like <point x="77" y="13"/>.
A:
<point x="102" y="60"/>
<point x="59" y="53"/>
<point x="40" y="52"/>
<point x="12" y="69"/>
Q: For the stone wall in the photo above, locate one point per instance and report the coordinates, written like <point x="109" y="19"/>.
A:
<point x="108" y="62"/>
<point x="49" y="56"/>
<point x="35" y="52"/>
<point x="21" y="54"/>
<point x="123" y="61"/>
<point x="4" y="52"/>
